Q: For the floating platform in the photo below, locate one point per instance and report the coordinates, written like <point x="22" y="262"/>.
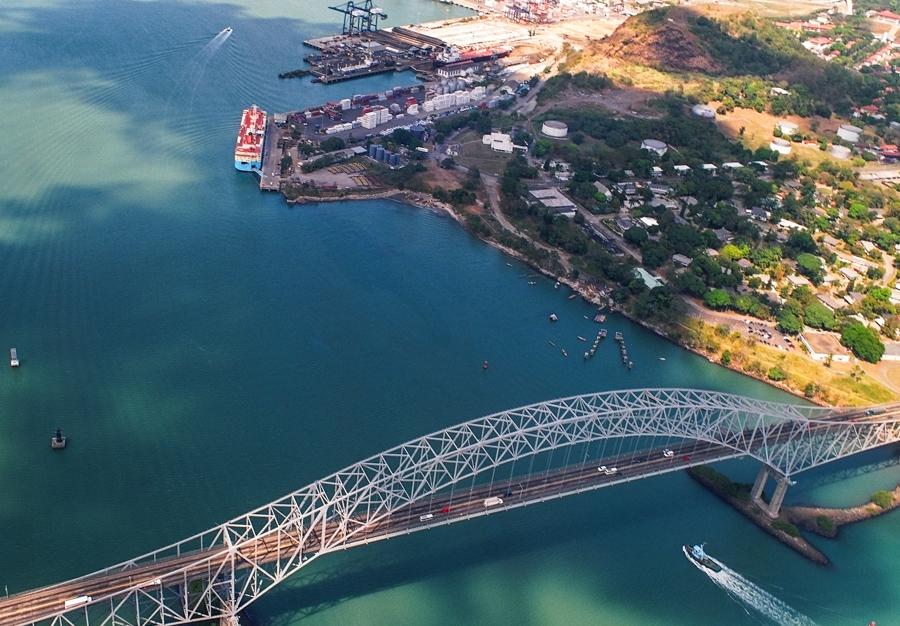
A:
<point x="58" y="440"/>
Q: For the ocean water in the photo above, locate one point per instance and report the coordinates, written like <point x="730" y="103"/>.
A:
<point x="208" y="348"/>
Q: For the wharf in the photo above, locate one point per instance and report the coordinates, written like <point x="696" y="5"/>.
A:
<point x="327" y="79"/>
<point x="270" y="175"/>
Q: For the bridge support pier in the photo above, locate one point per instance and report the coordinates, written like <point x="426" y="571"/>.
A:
<point x="762" y="477"/>
<point x="773" y="507"/>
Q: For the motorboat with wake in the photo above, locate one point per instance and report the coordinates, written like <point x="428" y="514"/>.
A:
<point x="697" y="555"/>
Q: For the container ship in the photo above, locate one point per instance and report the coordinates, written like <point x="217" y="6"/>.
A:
<point x="455" y="55"/>
<point x="248" y="151"/>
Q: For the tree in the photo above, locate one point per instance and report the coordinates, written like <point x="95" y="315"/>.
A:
<point x="817" y="315"/>
<point x="653" y="254"/>
<point x="636" y="235"/>
<point x="689" y="282"/>
<point x="654" y="304"/>
<point x="863" y="342"/>
<point x="789" y="322"/>
<point x="718" y="299"/>
<point x="801" y="241"/>
<point x="332" y="143"/>
<point x="810" y="266"/>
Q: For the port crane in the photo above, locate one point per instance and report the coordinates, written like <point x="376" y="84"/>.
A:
<point x="360" y="17"/>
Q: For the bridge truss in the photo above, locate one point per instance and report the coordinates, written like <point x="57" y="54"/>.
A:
<point x="220" y="571"/>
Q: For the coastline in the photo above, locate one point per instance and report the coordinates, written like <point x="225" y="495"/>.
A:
<point x="811" y="518"/>
<point x="738" y="497"/>
<point x="587" y="292"/>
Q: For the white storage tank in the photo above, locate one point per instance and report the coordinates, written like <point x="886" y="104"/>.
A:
<point x="840" y="152"/>
<point x="849" y="132"/>
<point x="781" y="146"/>
<point x="555" y="128"/>
<point x="654" y="145"/>
<point x="704" y="111"/>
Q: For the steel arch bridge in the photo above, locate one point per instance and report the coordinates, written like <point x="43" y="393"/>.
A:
<point x="422" y="483"/>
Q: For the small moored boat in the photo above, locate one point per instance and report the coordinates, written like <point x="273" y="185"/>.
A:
<point x="13" y="358"/>
<point x="58" y="440"/>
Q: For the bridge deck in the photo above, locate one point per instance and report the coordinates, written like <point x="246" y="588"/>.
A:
<point x="175" y="572"/>
<point x="34" y="606"/>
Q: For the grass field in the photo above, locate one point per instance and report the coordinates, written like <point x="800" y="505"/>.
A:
<point x="473" y="153"/>
<point x="838" y="385"/>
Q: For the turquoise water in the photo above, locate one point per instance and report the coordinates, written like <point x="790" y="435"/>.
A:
<point x="208" y="349"/>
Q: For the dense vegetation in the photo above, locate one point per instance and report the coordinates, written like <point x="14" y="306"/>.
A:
<point x="738" y="60"/>
<point x="582" y="81"/>
<point x="883" y="499"/>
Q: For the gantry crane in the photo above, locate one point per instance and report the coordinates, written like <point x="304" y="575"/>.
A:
<point x="360" y="17"/>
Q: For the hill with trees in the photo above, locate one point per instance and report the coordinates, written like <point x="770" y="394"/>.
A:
<point x="739" y="58"/>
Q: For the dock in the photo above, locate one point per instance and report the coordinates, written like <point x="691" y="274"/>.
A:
<point x="270" y="175"/>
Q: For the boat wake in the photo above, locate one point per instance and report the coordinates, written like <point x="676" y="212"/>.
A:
<point x="753" y="596"/>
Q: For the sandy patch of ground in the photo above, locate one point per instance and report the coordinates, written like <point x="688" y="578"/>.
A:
<point x="765" y="8"/>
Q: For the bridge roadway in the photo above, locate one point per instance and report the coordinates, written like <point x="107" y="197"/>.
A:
<point x="40" y="604"/>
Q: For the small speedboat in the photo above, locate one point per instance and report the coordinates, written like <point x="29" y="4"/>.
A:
<point x="580" y="338"/>
<point x="662" y="358"/>
<point x="564" y="353"/>
<point x="697" y="555"/>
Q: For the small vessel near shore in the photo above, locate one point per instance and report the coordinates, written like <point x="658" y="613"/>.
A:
<point x="580" y="338"/>
<point x="13" y="357"/>
<point x="697" y="555"/>
<point x="553" y="317"/>
<point x="573" y="296"/>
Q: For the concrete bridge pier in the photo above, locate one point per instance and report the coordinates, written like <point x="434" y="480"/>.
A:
<point x="773" y="507"/>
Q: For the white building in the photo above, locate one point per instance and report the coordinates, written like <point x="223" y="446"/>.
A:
<point x="786" y="127"/>
<point x="849" y="132"/>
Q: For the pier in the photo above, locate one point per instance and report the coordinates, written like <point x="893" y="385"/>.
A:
<point x="270" y="175"/>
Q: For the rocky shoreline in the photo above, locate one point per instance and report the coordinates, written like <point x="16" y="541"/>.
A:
<point x="813" y="518"/>
<point x="738" y="496"/>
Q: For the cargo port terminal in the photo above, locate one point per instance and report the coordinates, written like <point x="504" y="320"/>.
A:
<point x="476" y="62"/>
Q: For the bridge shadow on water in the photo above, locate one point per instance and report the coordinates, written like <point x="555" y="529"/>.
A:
<point x="326" y="586"/>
